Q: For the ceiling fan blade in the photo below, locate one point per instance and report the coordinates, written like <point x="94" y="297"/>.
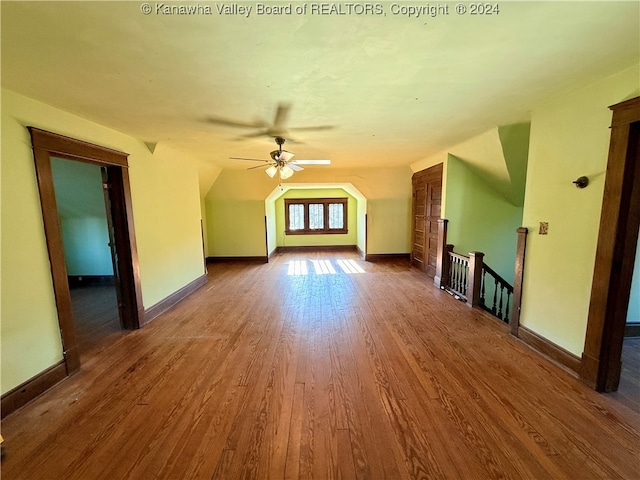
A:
<point x="250" y="159"/>
<point x="319" y="127"/>
<point x="232" y="123"/>
<point x="257" y="166"/>
<point x="286" y="156"/>
<point x="281" y="114"/>
<point x="258" y="133"/>
<point x="295" y="167"/>
<point x="312" y="162"/>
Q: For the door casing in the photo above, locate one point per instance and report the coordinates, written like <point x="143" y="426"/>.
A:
<point x="46" y="145"/>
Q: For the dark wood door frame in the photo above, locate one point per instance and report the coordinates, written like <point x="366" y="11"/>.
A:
<point x="615" y="254"/>
<point x="47" y="145"/>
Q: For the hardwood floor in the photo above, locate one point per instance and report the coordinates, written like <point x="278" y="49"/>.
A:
<point x="321" y="366"/>
<point x="629" y="388"/>
<point x="95" y="316"/>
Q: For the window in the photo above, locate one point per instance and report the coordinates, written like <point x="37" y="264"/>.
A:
<point x="310" y="216"/>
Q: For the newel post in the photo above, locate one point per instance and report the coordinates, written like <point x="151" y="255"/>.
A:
<point x="442" y="262"/>
<point x="475" y="278"/>
<point x="517" y="279"/>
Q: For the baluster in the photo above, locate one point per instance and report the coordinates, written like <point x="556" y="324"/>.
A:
<point x="482" y="282"/>
<point x="506" y="313"/>
<point x="452" y="273"/>
<point x="500" y="304"/>
<point x="495" y="296"/>
<point x="457" y="288"/>
<point x="465" y="276"/>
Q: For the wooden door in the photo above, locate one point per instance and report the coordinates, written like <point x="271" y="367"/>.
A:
<point x="426" y="206"/>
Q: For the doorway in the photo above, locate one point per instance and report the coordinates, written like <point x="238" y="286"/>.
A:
<point x="85" y="219"/>
<point x="617" y="242"/>
<point x="49" y="147"/>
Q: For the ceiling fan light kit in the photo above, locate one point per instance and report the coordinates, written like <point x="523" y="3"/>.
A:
<point x="271" y="171"/>
<point x="281" y="162"/>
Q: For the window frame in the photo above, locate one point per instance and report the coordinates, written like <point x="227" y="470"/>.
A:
<point x="344" y="201"/>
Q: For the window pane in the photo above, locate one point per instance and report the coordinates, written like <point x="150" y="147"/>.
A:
<point x="296" y="216"/>
<point x="336" y="215"/>
<point x="316" y="216"/>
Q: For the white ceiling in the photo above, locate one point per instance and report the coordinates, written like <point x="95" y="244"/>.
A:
<point x="397" y="89"/>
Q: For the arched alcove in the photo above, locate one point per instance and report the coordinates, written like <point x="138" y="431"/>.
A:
<point x="279" y="191"/>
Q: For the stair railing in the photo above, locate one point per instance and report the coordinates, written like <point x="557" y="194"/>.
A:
<point x="471" y="280"/>
<point x="500" y="294"/>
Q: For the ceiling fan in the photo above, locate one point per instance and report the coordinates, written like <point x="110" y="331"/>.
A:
<point x="277" y="128"/>
<point x="281" y="162"/>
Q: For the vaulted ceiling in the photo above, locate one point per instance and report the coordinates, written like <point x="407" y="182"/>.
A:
<point x="396" y="87"/>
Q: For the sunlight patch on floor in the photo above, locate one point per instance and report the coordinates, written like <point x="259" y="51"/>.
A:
<point x="323" y="267"/>
<point x="350" y="266"/>
<point x="298" y="267"/>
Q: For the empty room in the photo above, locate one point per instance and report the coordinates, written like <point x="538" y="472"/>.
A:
<point x="356" y="240"/>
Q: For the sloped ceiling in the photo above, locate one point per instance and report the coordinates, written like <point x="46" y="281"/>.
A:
<point x="397" y="88"/>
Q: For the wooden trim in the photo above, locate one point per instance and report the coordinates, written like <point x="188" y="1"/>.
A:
<point x="132" y="309"/>
<point x="385" y="257"/>
<point x="266" y="240"/>
<point x="549" y="349"/>
<point x="325" y="202"/>
<point x="362" y="254"/>
<point x="475" y="278"/>
<point x="53" y="236"/>
<point x="318" y="248"/>
<point x="257" y="259"/>
<point x="32" y="388"/>
<point x="632" y="330"/>
<point x="626" y="112"/>
<point x="77" y="149"/>
<point x="45" y="145"/>
<point x="615" y="253"/>
<point x="162" y="306"/>
<point x="442" y="265"/>
<point x="366" y="234"/>
<point x="518" y="278"/>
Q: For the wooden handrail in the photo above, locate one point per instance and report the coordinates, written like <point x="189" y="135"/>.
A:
<point x="497" y="276"/>
<point x="464" y="276"/>
<point x="459" y="256"/>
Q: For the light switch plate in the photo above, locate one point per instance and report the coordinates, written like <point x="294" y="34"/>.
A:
<point x="544" y="228"/>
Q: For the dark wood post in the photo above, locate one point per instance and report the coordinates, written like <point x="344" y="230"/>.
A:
<point x="518" y="276"/>
<point x="475" y="278"/>
<point x="442" y="262"/>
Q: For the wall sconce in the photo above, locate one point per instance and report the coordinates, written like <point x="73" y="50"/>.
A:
<point x="581" y="182"/>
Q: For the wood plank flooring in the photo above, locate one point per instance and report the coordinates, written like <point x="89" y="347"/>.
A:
<point x="320" y="366"/>
<point x="629" y="388"/>
<point x="95" y="317"/>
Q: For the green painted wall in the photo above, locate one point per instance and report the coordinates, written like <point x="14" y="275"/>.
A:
<point x="569" y="138"/>
<point x="480" y="219"/>
<point x="166" y="211"/>
<point x="314" y="240"/>
<point x="236" y="208"/>
<point x="236" y="228"/>
<point x="83" y="218"/>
